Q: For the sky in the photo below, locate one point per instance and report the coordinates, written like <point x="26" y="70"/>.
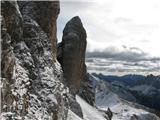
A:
<point x="123" y="36"/>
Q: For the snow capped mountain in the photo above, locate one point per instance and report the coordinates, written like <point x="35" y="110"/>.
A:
<point x="114" y="96"/>
<point x="140" y="89"/>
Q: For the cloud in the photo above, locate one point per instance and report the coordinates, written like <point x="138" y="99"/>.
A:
<point x="132" y="54"/>
<point x="121" y="20"/>
<point x="120" y="61"/>
<point x="110" y="67"/>
<point x="114" y="22"/>
<point x="113" y="27"/>
<point x="69" y="9"/>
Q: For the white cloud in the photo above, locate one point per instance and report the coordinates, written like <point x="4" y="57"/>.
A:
<point x="133" y="23"/>
<point x="113" y="67"/>
<point x="117" y="22"/>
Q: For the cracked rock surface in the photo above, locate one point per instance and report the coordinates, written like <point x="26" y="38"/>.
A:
<point x="31" y="77"/>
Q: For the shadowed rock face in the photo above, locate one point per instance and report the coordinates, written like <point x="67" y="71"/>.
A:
<point x="71" y="52"/>
<point x="13" y="19"/>
<point x="86" y="90"/>
<point x="45" y="13"/>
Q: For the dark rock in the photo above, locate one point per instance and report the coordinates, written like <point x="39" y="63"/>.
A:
<point x="7" y="67"/>
<point x="109" y="113"/>
<point x="71" y="53"/>
<point x="8" y="59"/>
<point x="134" y="117"/>
<point x="13" y="19"/>
<point x="74" y="106"/>
<point x="87" y="91"/>
<point x="45" y="13"/>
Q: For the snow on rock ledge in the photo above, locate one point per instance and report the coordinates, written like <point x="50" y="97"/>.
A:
<point x="31" y="78"/>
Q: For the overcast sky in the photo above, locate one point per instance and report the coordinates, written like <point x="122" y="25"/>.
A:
<point x="124" y="34"/>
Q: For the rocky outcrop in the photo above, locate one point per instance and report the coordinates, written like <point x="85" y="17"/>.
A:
<point x="86" y="90"/>
<point x="71" y="53"/>
<point x="13" y="19"/>
<point x="109" y="113"/>
<point x="31" y="80"/>
<point x="45" y="14"/>
<point x="11" y="31"/>
<point x="33" y="84"/>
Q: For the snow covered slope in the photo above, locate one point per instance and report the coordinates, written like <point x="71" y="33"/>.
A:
<point x="72" y="116"/>
<point x="89" y="112"/>
<point x="122" y="109"/>
<point x="140" y="89"/>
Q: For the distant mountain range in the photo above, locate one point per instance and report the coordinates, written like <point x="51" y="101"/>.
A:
<point x="130" y="79"/>
<point x="141" y="89"/>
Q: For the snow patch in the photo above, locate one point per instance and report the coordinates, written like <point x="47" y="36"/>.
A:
<point x="72" y="116"/>
<point x="89" y="112"/>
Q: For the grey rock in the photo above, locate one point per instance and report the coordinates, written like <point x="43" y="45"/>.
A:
<point x="31" y="78"/>
<point x="13" y="19"/>
<point x="74" y="106"/>
<point x="109" y="113"/>
<point x="86" y="90"/>
<point x="7" y="67"/>
<point x="45" y="13"/>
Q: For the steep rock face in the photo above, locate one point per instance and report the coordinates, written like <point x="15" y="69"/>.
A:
<point x="45" y="14"/>
<point x="13" y="19"/>
<point x="31" y="80"/>
<point x="11" y="31"/>
<point x="71" y="53"/>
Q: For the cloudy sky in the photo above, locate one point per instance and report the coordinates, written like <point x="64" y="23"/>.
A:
<point x="123" y="35"/>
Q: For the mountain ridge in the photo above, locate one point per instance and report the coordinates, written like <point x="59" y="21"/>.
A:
<point x="145" y="91"/>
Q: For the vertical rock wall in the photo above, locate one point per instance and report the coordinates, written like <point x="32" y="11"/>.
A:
<point x="45" y="13"/>
<point x="31" y="78"/>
